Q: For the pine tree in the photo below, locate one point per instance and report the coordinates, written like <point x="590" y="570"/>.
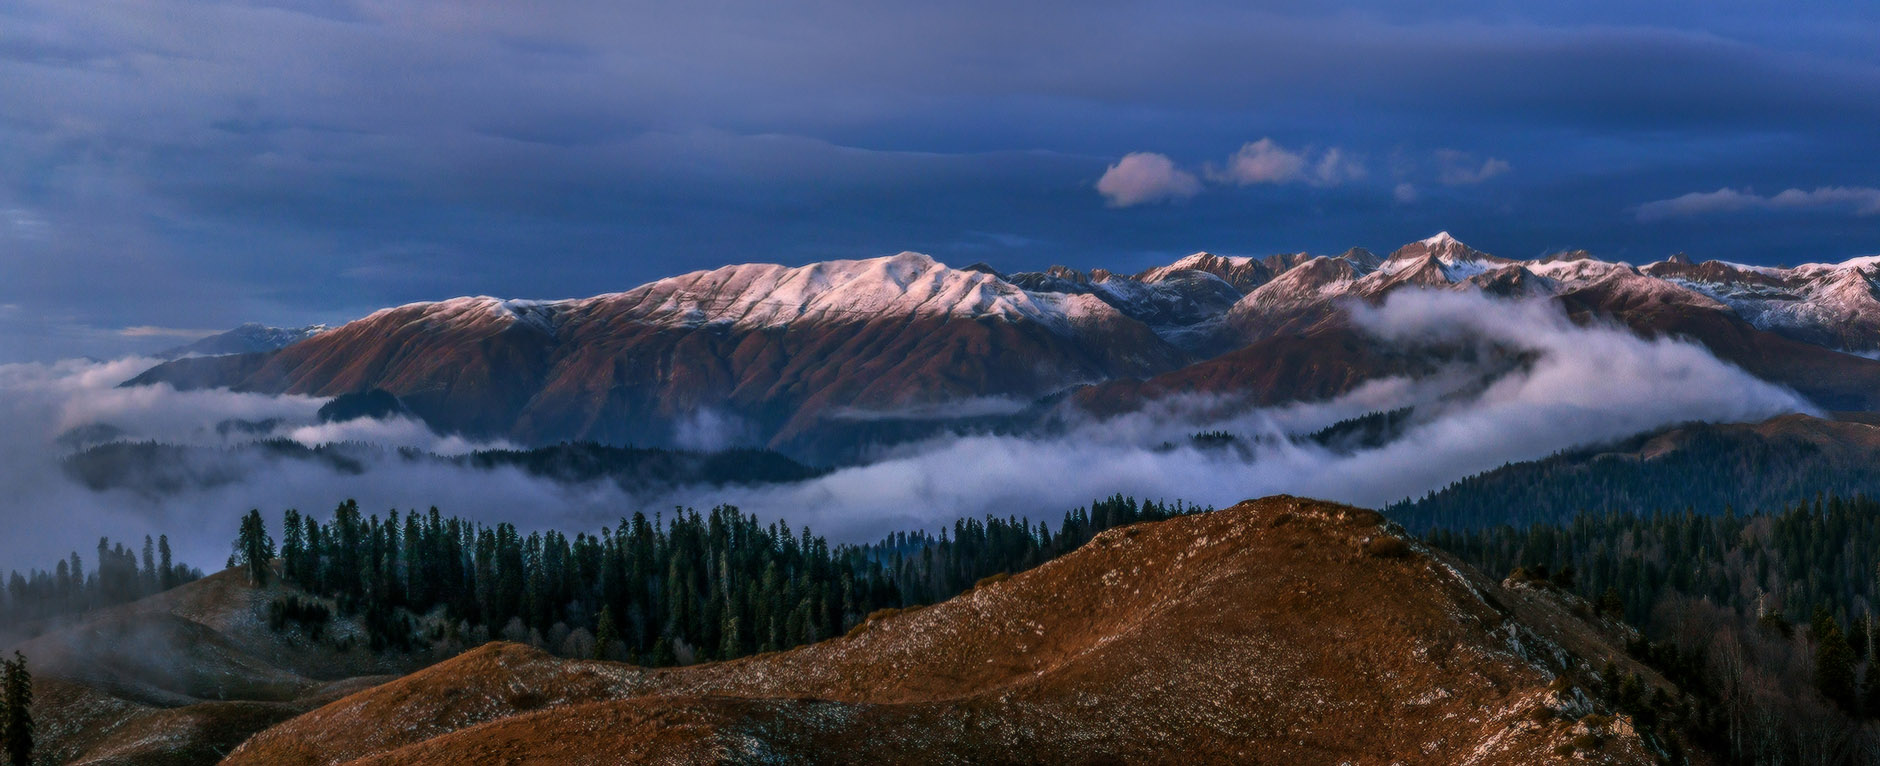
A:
<point x="293" y="547"/>
<point x="1834" y="661"/>
<point x="149" y="573"/>
<point x="1611" y="603"/>
<point x="16" y="724"/>
<point x="607" y="634"/>
<point x="166" y="568"/>
<point x="254" y="547"/>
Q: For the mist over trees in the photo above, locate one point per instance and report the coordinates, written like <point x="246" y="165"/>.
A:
<point x="119" y="575"/>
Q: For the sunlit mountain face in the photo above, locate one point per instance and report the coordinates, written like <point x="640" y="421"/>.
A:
<point x="939" y="383"/>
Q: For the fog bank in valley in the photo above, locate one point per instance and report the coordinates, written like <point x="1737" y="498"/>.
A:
<point x="1580" y="385"/>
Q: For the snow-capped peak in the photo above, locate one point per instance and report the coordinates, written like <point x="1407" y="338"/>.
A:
<point x="1442" y="239"/>
<point x="900" y="285"/>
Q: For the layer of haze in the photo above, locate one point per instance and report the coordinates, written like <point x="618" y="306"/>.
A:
<point x="1584" y="385"/>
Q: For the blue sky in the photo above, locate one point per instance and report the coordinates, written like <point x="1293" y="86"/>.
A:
<point x="169" y="167"/>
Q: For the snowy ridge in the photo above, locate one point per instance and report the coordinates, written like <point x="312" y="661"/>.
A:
<point x="904" y="285"/>
<point x="245" y="339"/>
<point x="1833" y="304"/>
<point x="1829" y="304"/>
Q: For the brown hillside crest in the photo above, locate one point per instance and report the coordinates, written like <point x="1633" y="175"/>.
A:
<point x="1281" y="630"/>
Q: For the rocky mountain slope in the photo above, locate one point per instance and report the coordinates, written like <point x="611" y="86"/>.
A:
<point x="1278" y="631"/>
<point x="770" y="349"/>
<point x="792" y="358"/>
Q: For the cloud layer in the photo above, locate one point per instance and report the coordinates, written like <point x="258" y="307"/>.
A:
<point x="1584" y="384"/>
<point x="1857" y="200"/>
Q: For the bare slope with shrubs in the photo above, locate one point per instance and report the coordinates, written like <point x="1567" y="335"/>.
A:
<point x="1277" y="631"/>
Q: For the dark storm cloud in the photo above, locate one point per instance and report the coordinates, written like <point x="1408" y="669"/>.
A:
<point x="191" y="164"/>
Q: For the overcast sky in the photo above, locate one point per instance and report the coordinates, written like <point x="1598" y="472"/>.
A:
<point x="169" y="168"/>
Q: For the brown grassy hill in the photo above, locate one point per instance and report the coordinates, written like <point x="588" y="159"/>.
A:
<point x="1277" y="631"/>
<point x="185" y="675"/>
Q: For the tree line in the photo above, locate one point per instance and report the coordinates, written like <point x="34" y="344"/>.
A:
<point x="1768" y="619"/>
<point x="1711" y="468"/>
<point x="121" y="575"/>
<point x="669" y="589"/>
<point x="16" y="711"/>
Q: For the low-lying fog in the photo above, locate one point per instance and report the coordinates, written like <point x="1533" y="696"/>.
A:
<point x="1584" y="385"/>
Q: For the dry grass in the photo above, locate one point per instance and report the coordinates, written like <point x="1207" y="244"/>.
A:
<point x="1230" y="637"/>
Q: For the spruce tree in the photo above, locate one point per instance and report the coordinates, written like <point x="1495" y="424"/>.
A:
<point x="166" y="569"/>
<point x="149" y="573"/>
<point x="606" y="634"/>
<point x="254" y="547"/>
<point x="16" y="725"/>
<point x="1834" y="661"/>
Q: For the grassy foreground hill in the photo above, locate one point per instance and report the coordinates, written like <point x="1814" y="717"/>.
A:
<point x="1277" y="631"/>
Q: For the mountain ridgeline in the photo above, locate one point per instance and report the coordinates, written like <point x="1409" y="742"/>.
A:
<point x="821" y="361"/>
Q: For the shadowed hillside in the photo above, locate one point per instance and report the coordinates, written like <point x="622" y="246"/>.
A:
<point x="1701" y="466"/>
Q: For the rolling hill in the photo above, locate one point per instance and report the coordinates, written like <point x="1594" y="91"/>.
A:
<point x="1278" y="631"/>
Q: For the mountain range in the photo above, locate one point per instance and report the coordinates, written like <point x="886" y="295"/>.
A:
<point x="816" y="359"/>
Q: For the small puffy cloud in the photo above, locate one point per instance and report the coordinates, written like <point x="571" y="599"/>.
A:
<point x="1405" y="193"/>
<point x="1334" y="168"/>
<point x="1267" y="162"/>
<point x="1862" y="200"/>
<point x="1143" y="177"/>
<point x="1261" y="162"/>
<point x="1149" y="177"/>
<point x="1461" y="168"/>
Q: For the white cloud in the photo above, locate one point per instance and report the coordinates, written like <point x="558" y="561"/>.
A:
<point x="1583" y="384"/>
<point x="395" y="432"/>
<point x="25" y="224"/>
<point x="1861" y="200"/>
<point x="708" y="429"/>
<point x="1586" y="385"/>
<point x="1261" y="162"/>
<point x="1149" y="177"/>
<point x="1142" y="177"/>
<point x="1334" y="168"/>
<point x="48" y="513"/>
<point x="1460" y="168"/>
<point x="1405" y="193"/>
<point x="1267" y="162"/>
<point x="153" y="331"/>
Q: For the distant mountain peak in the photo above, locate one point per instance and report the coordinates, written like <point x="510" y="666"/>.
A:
<point x="246" y="338"/>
